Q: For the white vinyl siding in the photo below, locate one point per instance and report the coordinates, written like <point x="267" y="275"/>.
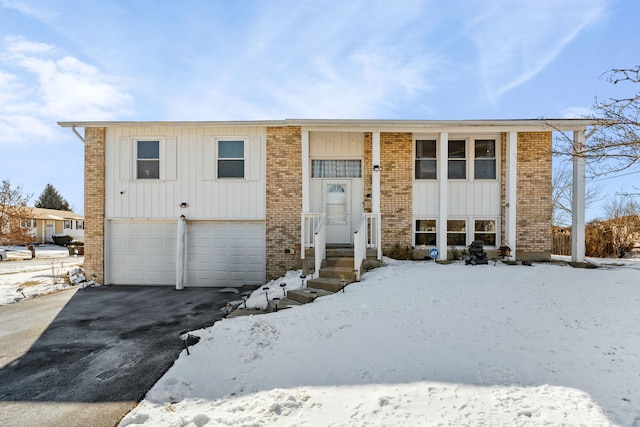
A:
<point x="187" y="174"/>
<point x="465" y="197"/>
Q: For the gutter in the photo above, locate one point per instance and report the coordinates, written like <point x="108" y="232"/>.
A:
<point x="73" y="128"/>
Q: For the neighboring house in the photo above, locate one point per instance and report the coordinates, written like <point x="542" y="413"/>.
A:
<point x="43" y="224"/>
<point x="254" y="193"/>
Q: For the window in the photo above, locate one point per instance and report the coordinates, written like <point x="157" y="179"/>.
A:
<point x="485" y="230"/>
<point x="425" y="232"/>
<point x="336" y="169"/>
<point x="231" y="159"/>
<point x="67" y="224"/>
<point x="425" y="159"/>
<point x="456" y="232"/>
<point x="485" y="159"/>
<point x="457" y="160"/>
<point x="148" y="160"/>
<point x="79" y="225"/>
<point x="28" y="223"/>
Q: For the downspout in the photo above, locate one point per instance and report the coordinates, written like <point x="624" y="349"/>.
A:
<point x="182" y="229"/>
<point x="73" y="128"/>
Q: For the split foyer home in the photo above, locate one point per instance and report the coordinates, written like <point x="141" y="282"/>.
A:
<point x="233" y="203"/>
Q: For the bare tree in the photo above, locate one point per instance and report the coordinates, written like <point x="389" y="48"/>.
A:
<point x="562" y="195"/>
<point x="614" y="145"/>
<point x="13" y="211"/>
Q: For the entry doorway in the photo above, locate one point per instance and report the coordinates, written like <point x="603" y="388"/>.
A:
<point x="337" y="197"/>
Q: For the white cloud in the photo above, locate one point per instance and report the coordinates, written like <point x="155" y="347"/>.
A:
<point x="39" y="86"/>
<point x="40" y="12"/>
<point x="517" y="40"/>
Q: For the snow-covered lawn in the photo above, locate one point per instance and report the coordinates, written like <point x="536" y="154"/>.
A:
<point x="417" y="343"/>
<point x="22" y="277"/>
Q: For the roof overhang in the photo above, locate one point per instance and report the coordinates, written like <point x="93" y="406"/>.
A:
<point x="501" y="125"/>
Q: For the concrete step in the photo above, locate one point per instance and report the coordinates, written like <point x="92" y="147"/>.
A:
<point x="345" y="273"/>
<point x="344" y="261"/>
<point x="338" y="252"/>
<point x="331" y="285"/>
<point x="244" y="312"/>
<point x="283" y="304"/>
<point x="306" y="295"/>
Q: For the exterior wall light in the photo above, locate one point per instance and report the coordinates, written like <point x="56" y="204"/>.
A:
<point x="376" y="168"/>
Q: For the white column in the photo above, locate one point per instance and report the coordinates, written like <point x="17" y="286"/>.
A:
<point x="578" y="201"/>
<point x="182" y="231"/>
<point x="442" y="156"/>
<point x="375" y="174"/>
<point x="511" y="192"/>
<point x="305" y="171"/>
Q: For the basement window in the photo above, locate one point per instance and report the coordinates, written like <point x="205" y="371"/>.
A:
<point x="425" y="232"/>
<point x="456" y="232"/>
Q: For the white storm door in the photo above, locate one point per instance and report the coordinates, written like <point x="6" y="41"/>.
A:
<point x="337" y="203"/>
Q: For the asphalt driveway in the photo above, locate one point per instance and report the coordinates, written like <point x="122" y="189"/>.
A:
<point x="86" y="357"/>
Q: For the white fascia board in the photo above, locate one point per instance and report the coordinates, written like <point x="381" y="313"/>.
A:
<point x="438" y="126"/>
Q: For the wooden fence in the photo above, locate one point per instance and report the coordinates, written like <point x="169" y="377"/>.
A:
<point x="561" y="244"/>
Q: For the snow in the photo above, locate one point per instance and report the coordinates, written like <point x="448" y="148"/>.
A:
<point x="22" y="277"/>
<point x="418" y="343"/>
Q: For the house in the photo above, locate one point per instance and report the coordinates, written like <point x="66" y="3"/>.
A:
<point x="232" y="203"/>
<point x="40" y="225"/>
<point x="43" y="224"/>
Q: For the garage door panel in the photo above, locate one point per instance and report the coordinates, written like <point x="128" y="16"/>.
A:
<point x="218" y="253"/>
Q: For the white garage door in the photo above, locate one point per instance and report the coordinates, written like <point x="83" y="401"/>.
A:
<point x="218" y="253"/>
<point x="143" y="252"/>
<point x="225" y="253"/>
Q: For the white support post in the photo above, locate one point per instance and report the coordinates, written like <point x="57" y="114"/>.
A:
<point x="182" y="231"/>
<point x="442" y="156"/>
<point x="511" y="190"/>
<point x="375" y="174"/>
<point x="578" y="201"/>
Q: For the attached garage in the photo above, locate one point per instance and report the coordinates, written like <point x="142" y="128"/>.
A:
<point x="219" y="253"/>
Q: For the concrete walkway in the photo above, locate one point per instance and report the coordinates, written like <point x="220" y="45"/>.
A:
<point x="86" y="357"/>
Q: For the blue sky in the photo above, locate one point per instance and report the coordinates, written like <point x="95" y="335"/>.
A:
<point x="63" y="60"/>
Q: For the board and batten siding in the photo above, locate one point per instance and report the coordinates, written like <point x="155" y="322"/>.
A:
<point x="475" y="198"/>
<point x="187" y="175"/>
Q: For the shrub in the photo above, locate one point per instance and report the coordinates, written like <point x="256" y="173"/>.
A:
<point x="400" y="252"/>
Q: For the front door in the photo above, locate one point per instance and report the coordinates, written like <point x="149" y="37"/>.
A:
<point x="49" y="231"/>
<point x="337" y="207"/>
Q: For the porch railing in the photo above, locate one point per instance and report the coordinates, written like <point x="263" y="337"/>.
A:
<point x="314" y="236"/>
<point x="367" y="236"/>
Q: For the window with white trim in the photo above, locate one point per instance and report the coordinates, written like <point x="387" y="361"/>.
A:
<point x="457" y="166"/>
<point x="67" y="224"/>
<point x="28" y="223"/>
<point x="485" y="159"/>
<point x="336" y="169"/>
<point x="485" y="230"/>
<point x="425" y="232"/>
<point x="456" y="232"/>
<point x="231" y="159"/>
<point x="148" y="160"/>
<point x="79" y="225"/>
<point x="426" y="164"/>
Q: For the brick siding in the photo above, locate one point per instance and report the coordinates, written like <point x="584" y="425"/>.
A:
<point x="94" y="164"/>
<point x="284" y="198"/>
<point x="534" y="206"/>
<point x="396" y="188"/>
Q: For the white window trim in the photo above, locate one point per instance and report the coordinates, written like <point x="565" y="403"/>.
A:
<point x="471" y="229"/>
<point x="417" y="138"/>
<point x="362" y="165"/>
<point x="136" y="159"/>
<point x="64" y="224"/>
<point x="470" y="158"/>
<point x="415" y="231"/>
<point x="245" y="147"/>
